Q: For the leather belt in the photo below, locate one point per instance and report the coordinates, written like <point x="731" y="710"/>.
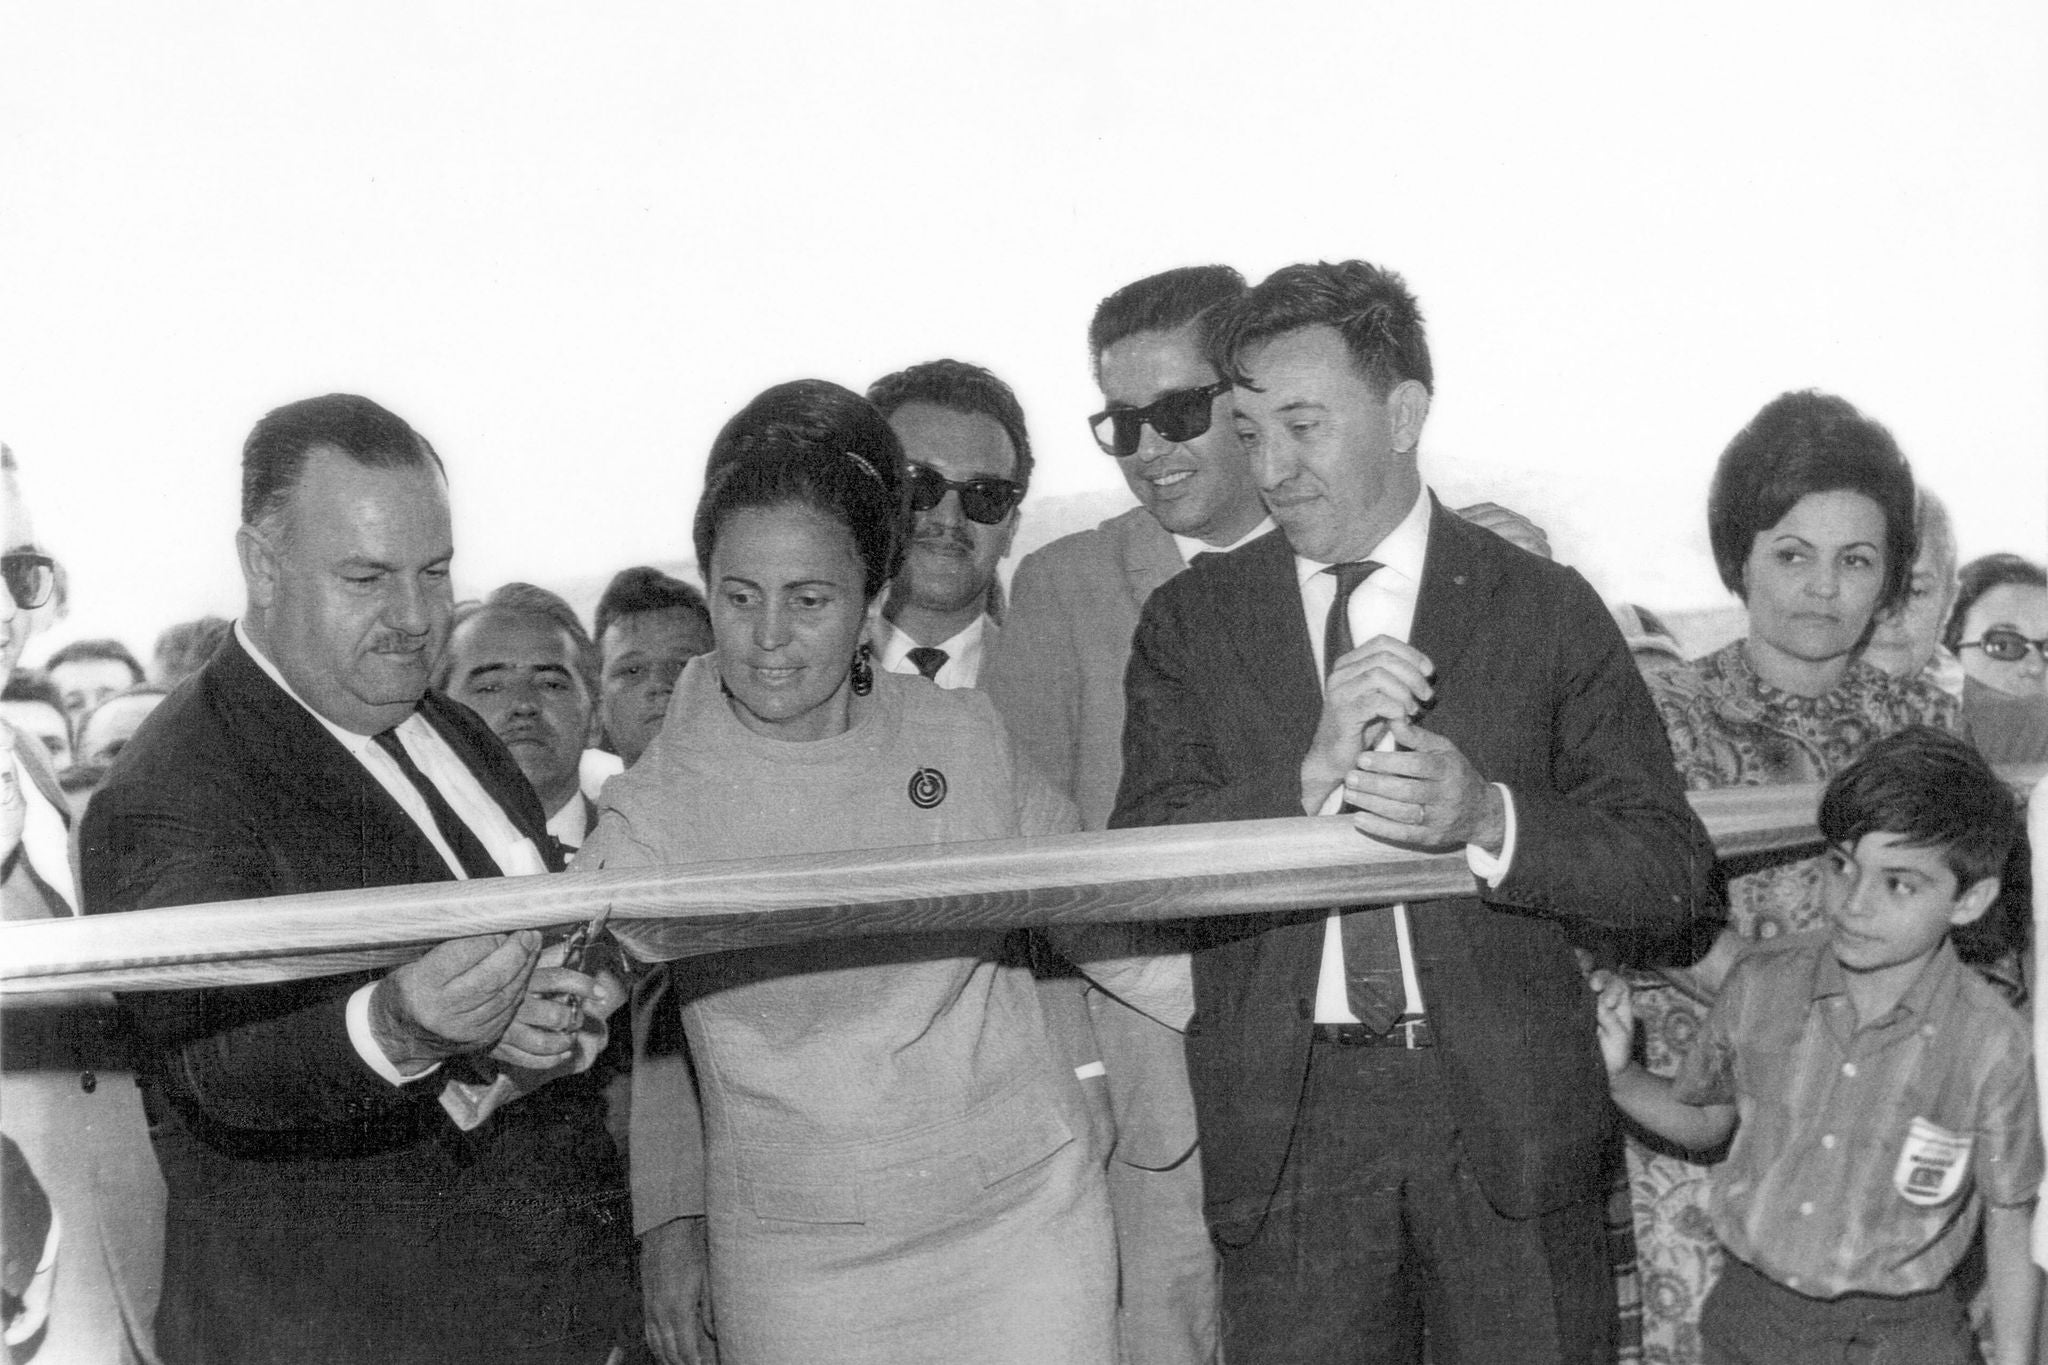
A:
<point x="1407" y="1033"/>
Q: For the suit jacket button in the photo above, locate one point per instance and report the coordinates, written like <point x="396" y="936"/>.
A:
<point x="88" y="1082"/>
<point x="1194" y="1028"/>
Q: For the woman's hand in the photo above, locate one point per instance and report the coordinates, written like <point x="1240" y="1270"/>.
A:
<point x="675" y="1292"/>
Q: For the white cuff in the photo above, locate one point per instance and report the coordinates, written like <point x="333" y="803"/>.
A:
<point x="1493" y="868"/>
<point x="366" y="1042"/>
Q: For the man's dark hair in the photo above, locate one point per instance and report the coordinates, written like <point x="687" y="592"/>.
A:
<point x="32" y="684"/>
<point x="1369" y="307"/>
<point x="1165" y="302"/>
<point x="1799" y="444"/>
<point x="812" y="443"/>
<point x="962" y="387"/>
<point x="274" y="456"/>
<point x="1934" y="791"/>
<point x="644" y="588"/>
<point x="1980" y="576"/>
<point x="88" y="651"/>
<point x="184" y="648"/>
<point x="535" y="603"/>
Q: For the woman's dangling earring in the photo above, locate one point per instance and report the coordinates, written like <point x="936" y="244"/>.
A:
<point x="863" y="672"/>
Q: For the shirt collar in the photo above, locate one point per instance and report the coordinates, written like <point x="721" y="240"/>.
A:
<point x="896" y="645"/>
<point x="356" y="744"/>
<point x="571" y="823"/>
<point x="1190" y="546"/>
<point x="1937" y="975"/>
<point x="1401" y="551"/>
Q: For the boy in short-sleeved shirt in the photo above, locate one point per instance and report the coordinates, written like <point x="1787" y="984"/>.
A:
<point x="1881" y="1093"/>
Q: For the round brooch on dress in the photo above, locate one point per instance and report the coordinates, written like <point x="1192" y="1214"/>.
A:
<point x="927" y="788"/>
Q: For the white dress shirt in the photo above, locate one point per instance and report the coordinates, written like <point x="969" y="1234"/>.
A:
<point x="571" y="824"/>
<point x="513" y="852"/>
<point x="1383" y="604"/>
<point x="963" y="653"/>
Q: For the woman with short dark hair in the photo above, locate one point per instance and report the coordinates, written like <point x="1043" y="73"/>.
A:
<point x="891" y="1168"/>
<point x="1811" y="516"/>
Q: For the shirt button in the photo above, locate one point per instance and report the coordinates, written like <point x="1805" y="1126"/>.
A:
<point x="1806" y="1210"/>
<point x="1828" y="1141"/>
<point x="1848" y="1068"/>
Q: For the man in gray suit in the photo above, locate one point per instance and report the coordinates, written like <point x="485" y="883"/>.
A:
<point x="67" y="1083"/>
<point x="1058" y="678"/>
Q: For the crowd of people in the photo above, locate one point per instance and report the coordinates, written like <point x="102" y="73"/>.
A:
<point x="1603" y="1105"/>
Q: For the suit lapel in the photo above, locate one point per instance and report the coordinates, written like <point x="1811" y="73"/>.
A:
<point x="31" y="759"/>
<point x="298" y="751"/>
<point x="1270" y="636"/>
<point x="1457" y="583"/>
<point x="1148" y="555"/>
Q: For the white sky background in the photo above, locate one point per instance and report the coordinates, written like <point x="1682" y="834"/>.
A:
<point x="567" y="242"/>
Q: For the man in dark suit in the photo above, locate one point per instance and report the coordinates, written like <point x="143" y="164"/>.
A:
<point x="336" y="1190"/>
<point x="1400" y="1108"/>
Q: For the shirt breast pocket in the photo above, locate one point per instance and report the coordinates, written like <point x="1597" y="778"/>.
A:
<point x="1934" y="1164"/>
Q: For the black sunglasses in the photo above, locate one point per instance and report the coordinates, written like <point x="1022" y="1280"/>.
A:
<point x="2006" y="646"/>
<point x="1181" y="415"/>
<point x="984" y="500"/>
<point x="31" y="578"/>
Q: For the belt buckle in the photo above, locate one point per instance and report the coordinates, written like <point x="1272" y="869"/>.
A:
<point x="1407" y="1028"/>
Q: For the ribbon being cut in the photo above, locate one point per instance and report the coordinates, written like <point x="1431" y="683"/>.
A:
<point x="1124" y="876"/>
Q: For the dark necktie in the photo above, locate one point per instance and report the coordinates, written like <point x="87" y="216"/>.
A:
<point x="468" y="849"/>
<point x="929" y="660"/>
<point x="1372" y="956"/>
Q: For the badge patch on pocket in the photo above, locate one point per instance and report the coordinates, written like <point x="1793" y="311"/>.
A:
<point x="1932" y="1164"/>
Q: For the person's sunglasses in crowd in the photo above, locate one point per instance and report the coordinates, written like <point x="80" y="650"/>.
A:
<point x="1179" y="415"/>
<point x="2006" y="646"/>
<point x="31" y="578"/>
<point x="986" y="500"/>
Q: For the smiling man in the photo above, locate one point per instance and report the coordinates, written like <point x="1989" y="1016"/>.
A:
<point x="334" y="1193"/>
<point x="1402" y="1115"/>
<point x="1057" y="676"/>
<point x="525" y="664"/>
<point x="963" y="434"/>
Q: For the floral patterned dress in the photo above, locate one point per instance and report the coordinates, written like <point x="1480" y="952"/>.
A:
<point x="1729" y="728"/>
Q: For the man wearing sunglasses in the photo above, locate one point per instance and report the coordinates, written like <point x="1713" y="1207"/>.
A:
<point x="1057" y="676"/>
<point x="67" y="1088"/>
<point x="970" y="461"/>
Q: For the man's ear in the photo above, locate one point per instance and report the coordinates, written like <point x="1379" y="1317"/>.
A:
<point x="1971" y="905"/>
<point x="259" y="565"/>
<point x="1010" y="532"/>
<point x="1408" y="406"/>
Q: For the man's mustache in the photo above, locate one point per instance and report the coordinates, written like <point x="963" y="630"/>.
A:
<point x="945" y="536"/>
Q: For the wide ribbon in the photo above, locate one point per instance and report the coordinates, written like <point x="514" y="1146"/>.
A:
<point x="661" y="913"/>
